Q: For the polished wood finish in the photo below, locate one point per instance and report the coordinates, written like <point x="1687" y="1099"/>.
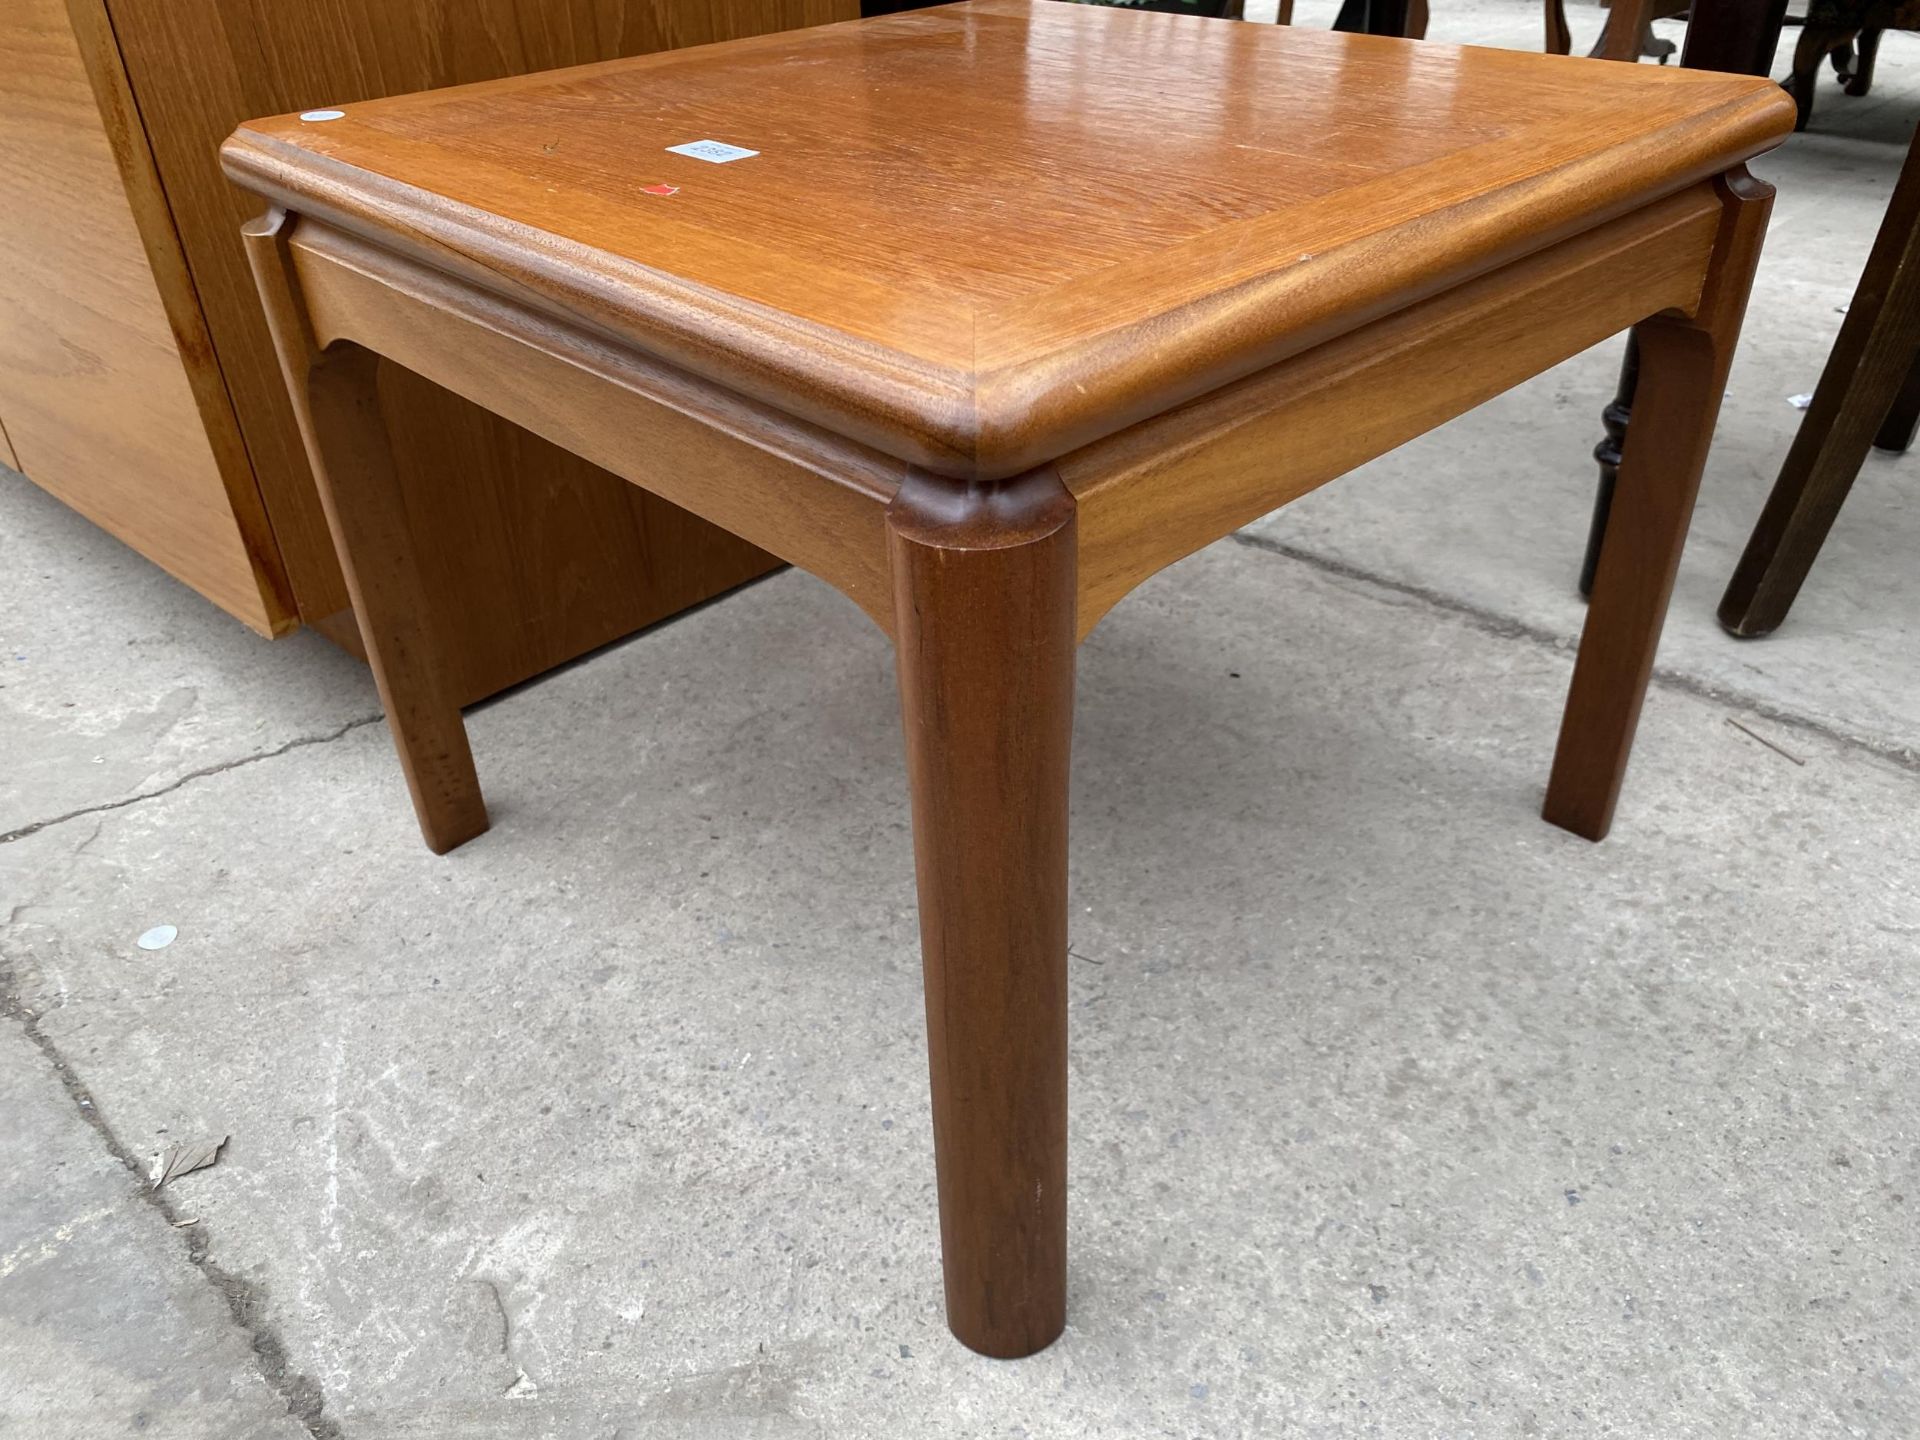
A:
<point x="881" y="300"/>
<point x="984" y="593"/>
<point x="108" y="391"/>
<point x="777" y="345"/>
<point x="814" y="494"/>
<point x="1683" y="364"/>
<point x="1869" y="376"/>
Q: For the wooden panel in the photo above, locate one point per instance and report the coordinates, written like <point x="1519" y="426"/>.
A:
<point x="557" y="556"/>
<point x="7" y="457"/>
<point x="963" y="240"/>
<point x="100" y="406"/>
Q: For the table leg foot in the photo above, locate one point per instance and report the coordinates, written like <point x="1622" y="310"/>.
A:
<point x="1682" y="369"/>
<point x="984" y="590"/>
<point x="367" y="514"/>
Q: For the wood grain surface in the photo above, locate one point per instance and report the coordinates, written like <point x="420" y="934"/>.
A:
<point x="101" y="387"/>
<point x="984" y="594"/>
<point x="806" y="495"/>
<point x="547" y="556"/>
<point x="336" y="394"/>
<point x="959" y="244"/>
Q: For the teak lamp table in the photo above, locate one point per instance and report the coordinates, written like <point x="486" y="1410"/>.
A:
<point x="984" y="314"/>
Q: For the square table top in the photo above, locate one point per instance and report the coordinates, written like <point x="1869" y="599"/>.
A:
<point x="977" y="236"/>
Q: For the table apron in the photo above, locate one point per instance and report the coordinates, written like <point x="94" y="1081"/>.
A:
<point x="1159" y="491"/>
<point x="812" y="498"/>
<point x="1145" y="497"/>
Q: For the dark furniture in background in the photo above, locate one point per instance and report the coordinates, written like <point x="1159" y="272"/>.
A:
<point x="1848" y="32"/>
<point x="1869" y="395"/>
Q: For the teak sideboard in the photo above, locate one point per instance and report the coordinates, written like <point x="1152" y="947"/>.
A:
<point x="138" y="382"/>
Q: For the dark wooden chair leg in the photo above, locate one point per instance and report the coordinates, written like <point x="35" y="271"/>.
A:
<point x="1374" y="17"/>
<point x="984" y="593"/>
<point x="1627" y="33"/>
<point x="1803" y="82"/>
<point x="1614" y="420"/>
<point x="1559" y="35"/>
<point x="1858" y="77"/>
<point x="1903" y="416"/>
<point x="1871" y="368"/>
<point x="337" y="401"/>
<point x="1737" y="36"/>
<point x="1683" y="368"/>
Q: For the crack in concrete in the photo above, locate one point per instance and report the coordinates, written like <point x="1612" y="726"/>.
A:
<point x="298" y="743"/>
<point x="246" y="1300"/>
<point x="1505" y="627"/>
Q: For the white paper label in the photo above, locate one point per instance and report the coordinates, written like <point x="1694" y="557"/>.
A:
<point x="719" y="152"/>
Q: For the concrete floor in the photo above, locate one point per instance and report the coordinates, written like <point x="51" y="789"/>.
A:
<point x="1396" y="1112"/>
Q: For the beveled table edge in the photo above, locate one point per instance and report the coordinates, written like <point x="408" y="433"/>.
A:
<point x="1010" y="411"/>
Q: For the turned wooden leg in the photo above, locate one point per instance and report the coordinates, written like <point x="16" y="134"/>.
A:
<point x="1683" y="369"/>
<point x="336" y="399"/>
<point x="984" y="606"/>
<point x="1857" y="77"/>
<point x="1613" y="421"/>
<point x="1872" y="363"/>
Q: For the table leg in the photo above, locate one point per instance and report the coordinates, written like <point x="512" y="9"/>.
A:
<point x="1740" y="37"/>
<point x="1683" y="369"/>
<point x="984" y="594"/>
<point x="336" y="399"/>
